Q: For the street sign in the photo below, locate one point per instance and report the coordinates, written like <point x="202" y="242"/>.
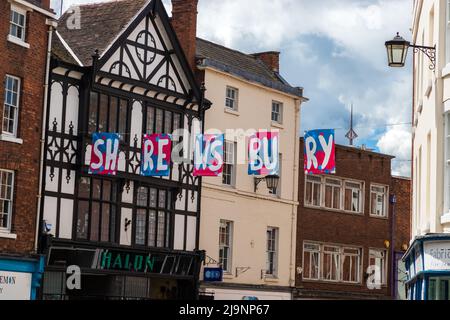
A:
<point x="213" y="275"/>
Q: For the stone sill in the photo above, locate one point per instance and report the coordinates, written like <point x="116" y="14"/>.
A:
<point x="232" y="112"/>
<point x="5" y="235"/>
<point x="9" y="138"/>
<point x="18" y="41"/>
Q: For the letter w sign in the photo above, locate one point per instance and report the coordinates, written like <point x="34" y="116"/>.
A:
<point x="320" y="152"/>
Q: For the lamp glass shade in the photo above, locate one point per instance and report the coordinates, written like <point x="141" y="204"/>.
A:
<point x="397" y="51"/>
<point x="272" y="182"/>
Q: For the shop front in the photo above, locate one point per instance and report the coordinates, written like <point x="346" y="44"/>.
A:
<point x="20" y="277"/>
<point x="428" y="268"/>
<point x="119" y="274"/>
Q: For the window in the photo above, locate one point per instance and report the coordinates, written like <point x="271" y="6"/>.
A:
<point x="272" y="252"/>
<point x="96" y="219"/>
<point x="313" y="191"/>
<point x="351" y="265"/>
<point x="378" y="199"/>
<point x="225" y="244"/>
<point x="311" y="261"/>
<point x="161" y="121"/>
<point x="152" y="217"/>
<point x="17" y="23"/>
<point x="448" y="32"/>
<point x="229" y="168"/>
<point x="6" y="199"/>
<point x="11" y="105"/>
<point x="353" y="197"/>
<point x="232" y="97"/>
<point x="277" y="112"/>
<point x="377" y="259"/>
<point x="108" y="114"/>
<point x="333" y="193"/>
<point x="331" y="263"/>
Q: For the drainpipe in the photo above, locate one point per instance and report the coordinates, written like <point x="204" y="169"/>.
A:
<point x="393" y="201"/>
<point x="52" y="25"/>
<point x="293" y="254"/>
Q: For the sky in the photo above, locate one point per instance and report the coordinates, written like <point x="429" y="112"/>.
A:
<point x="335" y="50"/>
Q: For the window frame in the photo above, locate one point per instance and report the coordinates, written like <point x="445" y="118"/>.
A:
<point x="157" y="209"/>
<point x="385" y="271"/>
<point x="230" y="164"/>
<point x="22" y="12"/>
<point x="320" y="252"/>
<point x="15" y="132"/>
<point x="385" y="214"/>
<point x="274" y="231"/>
<point x="339" y="262"/>
<point x="362" y="196"/>
<point x="90" y="200"/>
<point x="279" y="112"/>
<point x="8" y="230"/>
<point x="228" y="268"/>
<point x="235" y="99"/>
<point x="312" y="205"/>
<point x="333" y="186"/>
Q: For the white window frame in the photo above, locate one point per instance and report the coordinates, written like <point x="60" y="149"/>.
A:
<point x="385" y="194"/>
<point x="447" y="33"/>
<point x="230" y="225"/>
<point x="361" y="194"/>
<point x="278" y="113"/>
<point x="272" y="250"/>
<point x="327" y="183"/>
<point x="11" y="200"/>
<point x="232" y="100"/>
<point x="358" y="264"/>
<point x="312" y="205"/>
<point x="380" y="254"/>
<point x="16" y="107"/>
<point x="226" y="162"/>
<point x="22" y="12"/>
<point x="333" y="255"/>
<point x="316" y="252"/>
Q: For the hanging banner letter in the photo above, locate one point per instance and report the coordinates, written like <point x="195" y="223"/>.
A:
<point x="156" y="155"/>
<point x="208" y="157"/>
<point x="320" y="152"/>
<point x="105" y="154"/>
<point x="263" y="154"/>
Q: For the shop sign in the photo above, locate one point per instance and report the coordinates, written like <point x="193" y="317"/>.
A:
<point x="15" y="285"/>
<point x="320" y="152"/>
<point x="437" y="256"/>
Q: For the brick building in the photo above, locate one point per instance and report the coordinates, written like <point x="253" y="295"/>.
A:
<point x="24" y="29"/>
<point x="345" y="224"/>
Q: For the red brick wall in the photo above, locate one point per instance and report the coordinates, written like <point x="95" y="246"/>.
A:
<point x="271" y="59"/>
<point x="184" y="21"/>
<point x="401" y="187"/>
<point x="29" y="65"/>
<point x="350" y="229"/>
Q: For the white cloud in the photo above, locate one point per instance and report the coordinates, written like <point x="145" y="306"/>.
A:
<point x="397" y="141"/>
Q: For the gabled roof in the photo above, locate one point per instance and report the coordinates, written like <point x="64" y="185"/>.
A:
<point x="242" y="65"/>
<point x="100" y="24"/>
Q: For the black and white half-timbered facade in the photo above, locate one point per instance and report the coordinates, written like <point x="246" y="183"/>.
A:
<point x="118" y="67"/>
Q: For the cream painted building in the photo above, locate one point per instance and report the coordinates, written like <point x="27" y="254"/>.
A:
<point x="431" y="153"/>
<point x="252" y="235"/>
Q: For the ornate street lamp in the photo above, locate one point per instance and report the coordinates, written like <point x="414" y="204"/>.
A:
<point x="272" y="182"/>
<point x="397" y="51"/>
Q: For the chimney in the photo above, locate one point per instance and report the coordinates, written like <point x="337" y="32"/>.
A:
<point x="45" y="4"/>
<point x="184" y="21"/>
<point x="270" y="58"/>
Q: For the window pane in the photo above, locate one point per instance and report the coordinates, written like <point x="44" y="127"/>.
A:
<point x="103" y="113"/>
<point x="142" y="197"/>
<point x="96" y="188"/>
<point x="83" y="220"/>
<point x="152" y="229"/>
<point x="113" y="114"/>
<point x="107" y="190"/>
<point x="95" y="221"/>
<point x="168" y="122"/>
<point x="84" y="188"/>
<point x="123" y="118"/>
<point x="141" y="221"/>
<point x="161" y="229"/>
<point x="159" y="121"/>
<point x="150" y="120"/>
<point x="93" y="105"/>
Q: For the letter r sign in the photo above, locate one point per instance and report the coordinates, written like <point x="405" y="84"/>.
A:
<point x="320" y="152"/>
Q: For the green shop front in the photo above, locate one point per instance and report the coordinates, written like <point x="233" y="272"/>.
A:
<point x="107" y="273"/>
<point x="428" y="268"/>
